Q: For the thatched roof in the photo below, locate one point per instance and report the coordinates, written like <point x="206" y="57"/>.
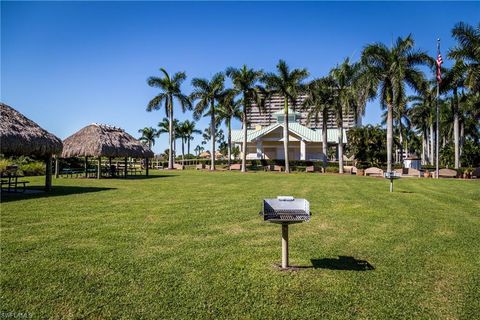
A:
<point x="98" y="140"/>
<point x="21" y="136"/>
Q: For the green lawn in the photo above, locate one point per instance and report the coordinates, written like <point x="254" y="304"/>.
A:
<point x="190" y="245"/>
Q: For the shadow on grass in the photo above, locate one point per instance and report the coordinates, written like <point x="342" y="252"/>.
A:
<point x="342" y="263"/>
<point x="33" y="193"/>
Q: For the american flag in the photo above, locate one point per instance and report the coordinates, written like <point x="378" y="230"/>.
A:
<point x="439" y="65"/>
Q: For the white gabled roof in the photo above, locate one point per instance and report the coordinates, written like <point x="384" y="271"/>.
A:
<point x="305" y="133"/>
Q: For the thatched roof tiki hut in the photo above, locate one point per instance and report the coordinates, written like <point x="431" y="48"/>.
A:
<point x="99" y="141"/>
<point x="21" y="136"/>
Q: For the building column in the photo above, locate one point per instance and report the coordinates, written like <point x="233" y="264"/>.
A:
<point x="259" y="149"/>
<point x="303" y="150"/>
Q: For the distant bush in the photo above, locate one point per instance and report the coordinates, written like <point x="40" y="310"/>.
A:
<point x="331" y="170"/>
<point x="33" y="169"/>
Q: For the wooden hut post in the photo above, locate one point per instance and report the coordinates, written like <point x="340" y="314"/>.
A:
<point x="48" y="173"/>
<point x="99" y="168"/>
<point x="86" y="167"/>
<point x="146" y="166"/>
<point x="125" y="172"/>
<point x="57" y="167"/>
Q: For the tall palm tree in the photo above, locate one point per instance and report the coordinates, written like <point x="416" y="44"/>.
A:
<point x="148" y="136"/>
<point x="454" y="80"/>
<point x="343" y="96"/>
<point x="421" y="115"/>
<point x="467" y="53"/>
<point x="229" y="109"/>
<point x="288" y="83"/>
<point x="169" y="90"/>
<point x="245" y="82"/>
<point x="319" y="101"/>
<point x="207" y="93"/>
<point x="182" y="134"/>
<point x="391" y="69"/>
<point x="189" y="129"/>
<point x="401" y="120"/>
<point x="164" y="127"/>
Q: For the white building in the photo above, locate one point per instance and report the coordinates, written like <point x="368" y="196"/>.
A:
<point x="267" y="142"/>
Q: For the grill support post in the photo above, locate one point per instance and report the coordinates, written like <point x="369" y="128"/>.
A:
<point x="284" y="245"/>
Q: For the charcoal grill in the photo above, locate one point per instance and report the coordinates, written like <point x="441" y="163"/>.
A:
<point x="285" y="210"/>
<point x="392" y="175"/>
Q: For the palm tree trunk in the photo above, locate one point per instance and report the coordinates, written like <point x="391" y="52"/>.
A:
<point x="188" y="145"/>
<point x="456" y="133"/>
<point x="432" y="144"/>
<point x="170" y="136"/>
<point x="340" y="145"/>
<point x="229" y="142"/>
<point x="212" y="134"/>
<point x="401" y="141"/>
<point x="423" y="149"/>
<point x="285" y="135"/>
<point x="183" y="151"/>
<point x="462" y="138"/>
<point x="325" y="137"/>
<point x="389" y="136"/>
<point x="244" y="142"/>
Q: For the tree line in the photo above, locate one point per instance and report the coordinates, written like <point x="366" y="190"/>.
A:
<point x="383" y="72"/>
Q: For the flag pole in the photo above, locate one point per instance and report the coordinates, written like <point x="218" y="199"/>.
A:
<point x="437" y="120"/>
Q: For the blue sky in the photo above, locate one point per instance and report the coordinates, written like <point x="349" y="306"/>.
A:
<point x="69" y="64"/>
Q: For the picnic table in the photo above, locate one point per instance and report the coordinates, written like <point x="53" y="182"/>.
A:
<point x="10" y="180"/>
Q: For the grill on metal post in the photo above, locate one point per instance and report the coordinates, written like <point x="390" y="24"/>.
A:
<point x="392" y="176"/>
<point x="285" y="210"/>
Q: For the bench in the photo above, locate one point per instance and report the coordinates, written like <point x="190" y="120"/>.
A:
<point x="310" y="169"/>
<point x="236" y="166"/>
<point x="447" y="173"/>
<point x="374" y="172"/>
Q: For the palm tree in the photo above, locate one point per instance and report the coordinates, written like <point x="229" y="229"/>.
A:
<point x="169" y="90"/>
<point x="288" y="83"/>
<point x="346" y="96"/>
<point x="227" y="110"/>
<point x="467" y="53"/>
<point x="454" y="80"/>
<point x="188" y="127"/>
<point x="198" y="149"/>
<point x="181" y="133"/>
<point x="148" y="136"/>
<point x="164" y="127"/>
<point x="319" y="101"/>
<point x="245" y="82"/>
<point x="207" y="93"/>
<point x="390" y="69"/>
<point x="401" y="120"/>
<point x="421" y="115"/>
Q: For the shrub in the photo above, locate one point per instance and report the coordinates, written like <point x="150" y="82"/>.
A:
<point x="331" y="170"/>
<point x="33" y="169"/>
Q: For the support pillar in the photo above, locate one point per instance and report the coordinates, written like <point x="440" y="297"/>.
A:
<point x="99" y="168"/>
<point x="259" y="149"/>
<point x="284" y="245"/>
<point x="86" y="167"/>
<point x="57" y="167"/>
<point x="303" y="150"/>
<point x="48" y="173"/>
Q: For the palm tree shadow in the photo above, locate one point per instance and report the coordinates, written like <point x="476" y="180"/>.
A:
<point x="143" y="177"/>
<point x="342" y="263"/>
<point x="38" y="192"/>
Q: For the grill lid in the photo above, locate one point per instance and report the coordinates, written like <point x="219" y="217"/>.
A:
<point x="285" y="209"/>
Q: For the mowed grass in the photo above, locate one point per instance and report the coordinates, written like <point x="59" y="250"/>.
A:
<point x="191" y="245"/>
